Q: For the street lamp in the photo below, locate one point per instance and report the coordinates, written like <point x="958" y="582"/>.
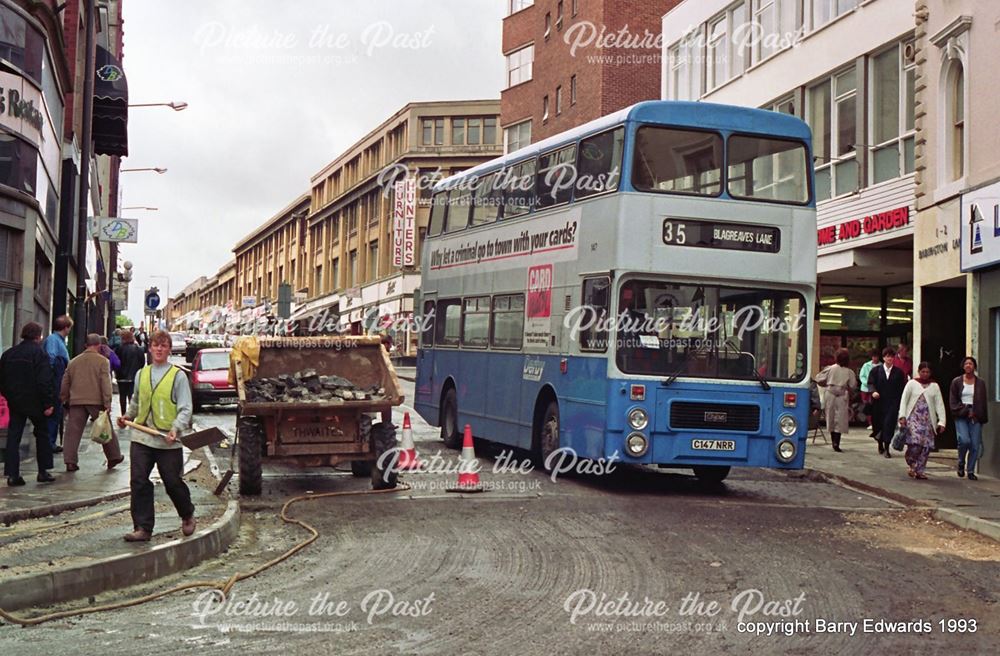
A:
<point x="158" y="170"/>
<point x="174" y="105"/>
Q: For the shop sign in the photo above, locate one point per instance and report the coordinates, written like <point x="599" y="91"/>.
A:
<point x="867" y="226"/>
<point x="20" y="104"/>
<point x="980" y="224"/>
<point x="404" y="216"/>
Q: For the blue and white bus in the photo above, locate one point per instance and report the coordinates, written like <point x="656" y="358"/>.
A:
<point x="641" y="287"/>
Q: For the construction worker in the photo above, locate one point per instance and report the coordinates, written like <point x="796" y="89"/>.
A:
<point x="162" y="401"/>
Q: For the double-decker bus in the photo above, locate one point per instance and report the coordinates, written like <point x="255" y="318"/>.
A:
<point x="641" y="287"/>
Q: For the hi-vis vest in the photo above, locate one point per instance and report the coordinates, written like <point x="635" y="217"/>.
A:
<point x="159" y="401"/>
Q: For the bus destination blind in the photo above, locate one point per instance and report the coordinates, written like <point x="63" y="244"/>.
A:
<point x="729" y="236"/>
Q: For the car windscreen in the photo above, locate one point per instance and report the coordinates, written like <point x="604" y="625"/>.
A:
<point x="213" y="361"/>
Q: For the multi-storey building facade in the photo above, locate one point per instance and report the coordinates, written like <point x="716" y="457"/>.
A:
<point x="272" y="255"/>
<point x="351" y="271"/>
<point x="849" y="69"/>
<point x="958" y="192"/>
<point x="571" y="61"/>
<point x="220" y="290"/>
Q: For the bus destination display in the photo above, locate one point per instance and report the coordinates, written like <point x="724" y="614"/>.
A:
<point x="730" y="236"/>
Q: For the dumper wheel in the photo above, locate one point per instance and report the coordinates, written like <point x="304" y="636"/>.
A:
<point x="361" y="468"/>
<point x="250" y="435"/>
<point x="384" y="440"/>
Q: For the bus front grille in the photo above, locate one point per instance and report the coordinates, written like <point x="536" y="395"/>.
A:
<point x="714" y="416"/>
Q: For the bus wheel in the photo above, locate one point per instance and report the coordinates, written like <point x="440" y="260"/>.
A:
<point x="548" y="434"/>
<point x="711" y="475"/>
<point x="450" y="434"/>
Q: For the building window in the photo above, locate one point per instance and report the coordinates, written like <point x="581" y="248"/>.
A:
<point x="318" y="280"/>
<point x="545" y="108"/>
<point x="458" y="131"/>
<point x="352" y="270"/>
<point x="432" y="131"/>
<point x="891" y="113"/>
<point x="718" y="55"/>
<point x="685" y="70"/>
<point x="490" y="131"/>
<point x="519" y="65"/>
<point x="765" y="20"/>
<point x="575" y="7"/>
<point x="559" y="15"/>
<point x="514" y="6"/>
<point x="558" y="100"/>
<point x="548" y="25"/>
<point x="955" y="128"/>
<point x="833" y="118"/>
<point x="823" y="11"/>
<point x="572" y="90"/>
<point x="373" y="261"/>
<point x="517" y="136"/>
<point x="335" y="273"/>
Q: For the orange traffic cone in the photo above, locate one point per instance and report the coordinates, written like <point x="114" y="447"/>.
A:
<point x="468" y="476"/>
<point x="407" y="453"/>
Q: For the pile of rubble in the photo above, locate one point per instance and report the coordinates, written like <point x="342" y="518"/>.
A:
<point x="308" y="386"/>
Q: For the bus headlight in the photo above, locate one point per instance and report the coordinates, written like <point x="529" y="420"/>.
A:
<point x="786" y="451"/>
<point x="636" y="444"/>
<point x="638" y="419"/>
<point x="787" y="425"/>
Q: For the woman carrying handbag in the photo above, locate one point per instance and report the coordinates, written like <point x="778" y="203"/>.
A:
<point x="838" y="381"/>
<point x="921" y="413"/>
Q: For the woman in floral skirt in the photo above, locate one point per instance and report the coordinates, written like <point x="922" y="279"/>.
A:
<point x="921" y="412"/>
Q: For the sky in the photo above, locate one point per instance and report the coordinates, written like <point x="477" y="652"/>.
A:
<point x="276" y="89"/>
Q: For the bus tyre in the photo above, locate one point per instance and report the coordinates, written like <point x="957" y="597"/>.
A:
<point x="450" y="434"/>
<point x="250" y="435"/>
<point x="711" y="475"/>
<point x="548" y="434"/>
<point x="383" y="440"/>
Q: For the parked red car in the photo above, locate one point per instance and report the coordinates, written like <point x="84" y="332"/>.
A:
<point x="210" y="378"/>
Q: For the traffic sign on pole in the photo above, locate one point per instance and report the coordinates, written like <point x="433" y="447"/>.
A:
<point x="152" y="299"/>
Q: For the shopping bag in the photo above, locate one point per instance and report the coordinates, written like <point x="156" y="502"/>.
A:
<point x="899" y="438"/>
<point x="100" y="432"/>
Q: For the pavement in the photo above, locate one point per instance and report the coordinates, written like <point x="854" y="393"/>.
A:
<point x="53" y="531"/>
<point x="63" y="540"/>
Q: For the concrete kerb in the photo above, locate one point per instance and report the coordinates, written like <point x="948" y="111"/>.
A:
<point x="954" y="517"/>
<point x="9" y="517"/>
<point x="121" y="571"/>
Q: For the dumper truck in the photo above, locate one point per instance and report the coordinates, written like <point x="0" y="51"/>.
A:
<point x="315" y="402"/>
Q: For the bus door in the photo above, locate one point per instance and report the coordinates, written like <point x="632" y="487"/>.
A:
<point x="428" y="385"/>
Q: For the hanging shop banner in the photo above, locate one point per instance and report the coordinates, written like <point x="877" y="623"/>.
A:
<point x="404" y="218"/>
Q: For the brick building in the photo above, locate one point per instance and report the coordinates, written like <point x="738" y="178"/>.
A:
<point x="571" y="61"/>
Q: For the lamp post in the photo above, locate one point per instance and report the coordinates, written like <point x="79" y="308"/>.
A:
<point x="173" y="104"/>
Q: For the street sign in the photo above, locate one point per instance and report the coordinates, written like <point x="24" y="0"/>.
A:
<point x="152" y="300"/>
<point x="119" y="230"/>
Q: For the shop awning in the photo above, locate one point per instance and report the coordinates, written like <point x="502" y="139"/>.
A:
<point x="110" y="122"/>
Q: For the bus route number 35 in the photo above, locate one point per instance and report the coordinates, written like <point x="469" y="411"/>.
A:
<point x="674" y="232"/>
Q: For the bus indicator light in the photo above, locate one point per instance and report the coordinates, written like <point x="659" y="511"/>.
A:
<point x="637" y="392"/>
<point x="790" y="399"/>
<point x="564" y="366"/>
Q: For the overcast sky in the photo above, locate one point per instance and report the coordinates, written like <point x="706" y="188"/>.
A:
<point x="276" y="90"/>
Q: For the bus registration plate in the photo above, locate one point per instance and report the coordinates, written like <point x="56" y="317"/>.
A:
<point x="713" y="445"/>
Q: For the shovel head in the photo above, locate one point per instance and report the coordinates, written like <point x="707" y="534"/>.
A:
<point x="202" y="438"/>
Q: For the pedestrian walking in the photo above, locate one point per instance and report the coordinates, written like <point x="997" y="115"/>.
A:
<point x="162" y="400"/>
<point x="838" y="381"/>
<point x="866" y="393"/>
<point x="967" y="399"/>
<point x="887" y="389"/>
<point x="903" y="361"/>
<point x="86" y="389"/>
<point x="27" y="384"/>
<point x="55" y="347"/>
<point x="132" y="360"/>
<point x="112" y="357"/>
<point x="921" y="414"/>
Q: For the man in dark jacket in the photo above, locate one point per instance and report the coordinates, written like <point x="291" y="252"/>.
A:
<point x="133" y="359"/>
<point x="887" y="383"/>
<point x="26" y="382"/>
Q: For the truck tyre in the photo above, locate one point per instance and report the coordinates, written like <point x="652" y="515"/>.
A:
<point x="450" y="434"/>
<point x="361" y="468"/>
<point x="383" y="440"/>
<point x="250" y="435"/>
<point x="710" y="475"/>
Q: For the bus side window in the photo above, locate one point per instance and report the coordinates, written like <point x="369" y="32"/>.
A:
<point x="449" y="325"/>
<point x="439" y="211"/>
<point x="599" y="164"/>
<point x="519" y="189"/>
<point x="459" y="208"/>
<point x="556" y="177"/>
<point x="594" y="314"/>
<point x="508" y="321"/>
<point x="487" y="199"/>
<point x="427" y="325"/>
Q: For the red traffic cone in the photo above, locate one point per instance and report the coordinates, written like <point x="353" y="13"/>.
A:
<point x="468" y="476"/>
<point x="407" y="453"/>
